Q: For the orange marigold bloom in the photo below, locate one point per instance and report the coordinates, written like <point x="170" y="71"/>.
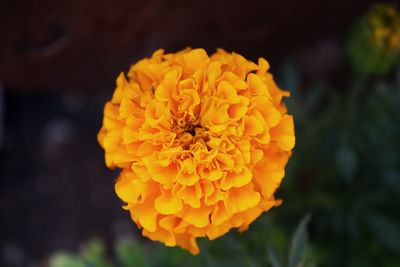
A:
<point x="202" y="142"/>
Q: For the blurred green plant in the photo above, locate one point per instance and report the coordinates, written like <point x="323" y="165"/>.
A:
<point x="91" y="255"/>
<point x="346" y="168"/>
<point x="127" y="253"/>
<point x="373" y="45"/>
<point x="296" y="254"/>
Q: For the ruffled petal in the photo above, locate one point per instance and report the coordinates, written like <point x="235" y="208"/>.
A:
<point x="283" y="133"/>
<point x="167" y="203"/>
<point x="241" y="198"/>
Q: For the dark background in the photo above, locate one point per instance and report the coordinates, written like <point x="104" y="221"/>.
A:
<point x="58" y="65"/>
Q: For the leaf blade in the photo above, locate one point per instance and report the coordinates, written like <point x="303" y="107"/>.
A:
<point x="299" y="241"/>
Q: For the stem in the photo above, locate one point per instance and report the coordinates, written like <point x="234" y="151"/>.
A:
<point x="357" y="87"/>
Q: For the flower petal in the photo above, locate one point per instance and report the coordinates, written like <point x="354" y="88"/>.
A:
<point x="167" y="203"/>
<point x="233" y="179"/>
<point x="241" y="198"/>
<point x="283" y="133"/>
<point x="197" y="217"/>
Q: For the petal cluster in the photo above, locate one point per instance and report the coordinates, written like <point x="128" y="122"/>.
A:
<point x="384" y="23"/>
<point x="202" y="143"/>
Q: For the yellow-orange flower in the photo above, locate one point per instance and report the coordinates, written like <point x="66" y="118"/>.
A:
<point x="384" y="22"/>
<point x="202" y="142"/>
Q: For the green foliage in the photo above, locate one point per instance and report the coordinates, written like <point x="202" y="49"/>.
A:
<point x="386" y="231"/>
<point x="346" y="169"/>
<point x="364" y="55"/>
<point x="372" y="45"/>
<point x="299" y="241"/>
<point x="130" y="254"/>
<point x="273" y="257"/>
<point x="63" y="259"/>
<point x="92" y="255"/>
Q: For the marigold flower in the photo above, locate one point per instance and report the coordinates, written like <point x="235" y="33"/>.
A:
<point x="202" y="143"/>
<point x="384" y="21"/>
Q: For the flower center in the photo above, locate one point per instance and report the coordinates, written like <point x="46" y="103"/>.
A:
<point x="192" y="129"/>
<point x="190" y="133"/>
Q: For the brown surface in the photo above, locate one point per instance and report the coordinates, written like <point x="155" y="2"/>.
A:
<point x="83" y="45"/>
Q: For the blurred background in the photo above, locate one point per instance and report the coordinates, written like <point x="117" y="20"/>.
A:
<point x="58" y="65"/>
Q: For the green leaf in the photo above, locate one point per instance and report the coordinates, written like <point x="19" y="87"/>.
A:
<point x="299" y="241"/>
<point x="347" y="162"/>
<point x="273" y="257"/>
<point x="130" y="254"/>
<point x="386" y="231"/>
<point x="63" y="259"/>
<point x="163" y="256"/>
<point x="94" y="254"/>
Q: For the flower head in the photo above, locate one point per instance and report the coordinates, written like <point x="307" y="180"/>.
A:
<point x="202" y="143"/>
<point x="384" y="21"/>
